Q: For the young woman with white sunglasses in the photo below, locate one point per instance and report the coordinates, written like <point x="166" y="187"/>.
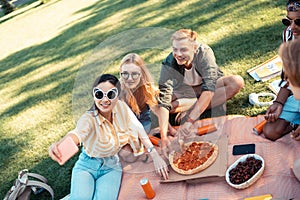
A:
<point x="102" y="131"/>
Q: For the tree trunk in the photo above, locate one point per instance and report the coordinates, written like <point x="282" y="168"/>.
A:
<point x="7" y="6"/>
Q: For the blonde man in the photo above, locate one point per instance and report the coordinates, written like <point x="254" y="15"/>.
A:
<point x="191" y="80"/>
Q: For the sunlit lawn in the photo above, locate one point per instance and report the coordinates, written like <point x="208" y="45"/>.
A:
<point x="37" y="82"/>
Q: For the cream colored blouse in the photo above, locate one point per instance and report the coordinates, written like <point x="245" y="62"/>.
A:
<point x="100" y="138"/>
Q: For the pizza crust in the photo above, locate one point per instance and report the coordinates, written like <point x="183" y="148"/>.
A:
<point x="199" y="168"/>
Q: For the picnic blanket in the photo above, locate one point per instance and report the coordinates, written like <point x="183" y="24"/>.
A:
<point x="277" y="179"/>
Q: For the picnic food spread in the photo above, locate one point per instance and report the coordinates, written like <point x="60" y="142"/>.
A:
<point x="195" y="158"/>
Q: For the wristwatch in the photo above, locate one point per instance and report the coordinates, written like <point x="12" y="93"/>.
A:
<point x="150" y="149"/>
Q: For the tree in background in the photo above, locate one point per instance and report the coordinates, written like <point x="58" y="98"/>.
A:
<point x="7" y="6"/>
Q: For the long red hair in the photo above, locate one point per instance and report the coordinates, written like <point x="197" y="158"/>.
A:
<point x="146" y="85"/>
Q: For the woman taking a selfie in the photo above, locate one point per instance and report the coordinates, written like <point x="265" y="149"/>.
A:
<point x="103" y="131"/>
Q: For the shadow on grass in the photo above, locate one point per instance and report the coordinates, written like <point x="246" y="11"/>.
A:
<point x="78" y="40"/>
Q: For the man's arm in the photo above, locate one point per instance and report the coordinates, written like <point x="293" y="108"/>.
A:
<point x="164" y="102"/>
<point x="201" y="105"/>
<point x="275" y="109"/>
<point x="283" y="95"/>
<point x="163" y="120"/>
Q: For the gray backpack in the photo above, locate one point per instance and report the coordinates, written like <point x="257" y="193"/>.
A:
<point x="23" y="186"/>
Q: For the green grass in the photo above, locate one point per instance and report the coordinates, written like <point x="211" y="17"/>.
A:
<point x="37" y="82"/>
<point x="25" y="4"/>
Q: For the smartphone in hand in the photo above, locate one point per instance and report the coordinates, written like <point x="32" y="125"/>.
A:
<point x="243" y="149"/>
<point x="67" y="149"/>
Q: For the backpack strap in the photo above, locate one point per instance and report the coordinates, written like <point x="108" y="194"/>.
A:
<point x="23" y="185"/>
<point x="37" y="176"/>
<point x="16" y="190"/>
<point x="32" y="183"/>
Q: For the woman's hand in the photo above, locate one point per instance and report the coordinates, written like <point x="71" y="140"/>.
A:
<point x="273" y="112"/>
<point x="160" y="165"/>
<point x="166" y="146"/>
<point x="295" y="134"/>
<point x="54" y="152"/>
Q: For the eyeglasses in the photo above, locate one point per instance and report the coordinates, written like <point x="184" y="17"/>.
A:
<point x="134" y="75"/>
<point x="288" y="22"/>
<point x="293" y="7"/>
<point x="110" y="94"/>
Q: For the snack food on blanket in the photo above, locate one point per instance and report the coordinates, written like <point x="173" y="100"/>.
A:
<point x="244" y="170"/>
<point x="196" y="157"/>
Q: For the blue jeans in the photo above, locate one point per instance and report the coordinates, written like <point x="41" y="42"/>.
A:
<point x="96" y="178"/>
<point x="145" y="119"/>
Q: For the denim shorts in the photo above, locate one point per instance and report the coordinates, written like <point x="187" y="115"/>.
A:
<point x="96" y="178"/>
<point x="291" y="110"/>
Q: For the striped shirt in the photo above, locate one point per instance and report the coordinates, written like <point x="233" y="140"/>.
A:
<point x="100" y="138"/>
<point x="287" y="34"/>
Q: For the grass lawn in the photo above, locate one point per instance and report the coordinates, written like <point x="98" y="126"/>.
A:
<point x="37" y="82"/>
<point x="19" y="5"/>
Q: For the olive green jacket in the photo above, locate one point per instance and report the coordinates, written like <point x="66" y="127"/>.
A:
<point x="172" y="74"/>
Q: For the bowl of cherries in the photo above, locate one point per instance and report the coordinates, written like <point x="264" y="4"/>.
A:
<point x="245" y="171"/>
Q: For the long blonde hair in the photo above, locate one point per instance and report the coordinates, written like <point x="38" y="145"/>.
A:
<point x="146" y="84"/>
<point x="289" y="53"/>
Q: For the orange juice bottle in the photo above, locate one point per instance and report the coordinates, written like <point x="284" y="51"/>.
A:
<point x="259" y="127"/>
<point x="206" y="129"/>
<point x="155" y="140"/>
<point x="149" y="192"/>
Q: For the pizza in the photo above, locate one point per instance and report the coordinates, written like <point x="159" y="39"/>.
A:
<point x="195" y="158"/>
